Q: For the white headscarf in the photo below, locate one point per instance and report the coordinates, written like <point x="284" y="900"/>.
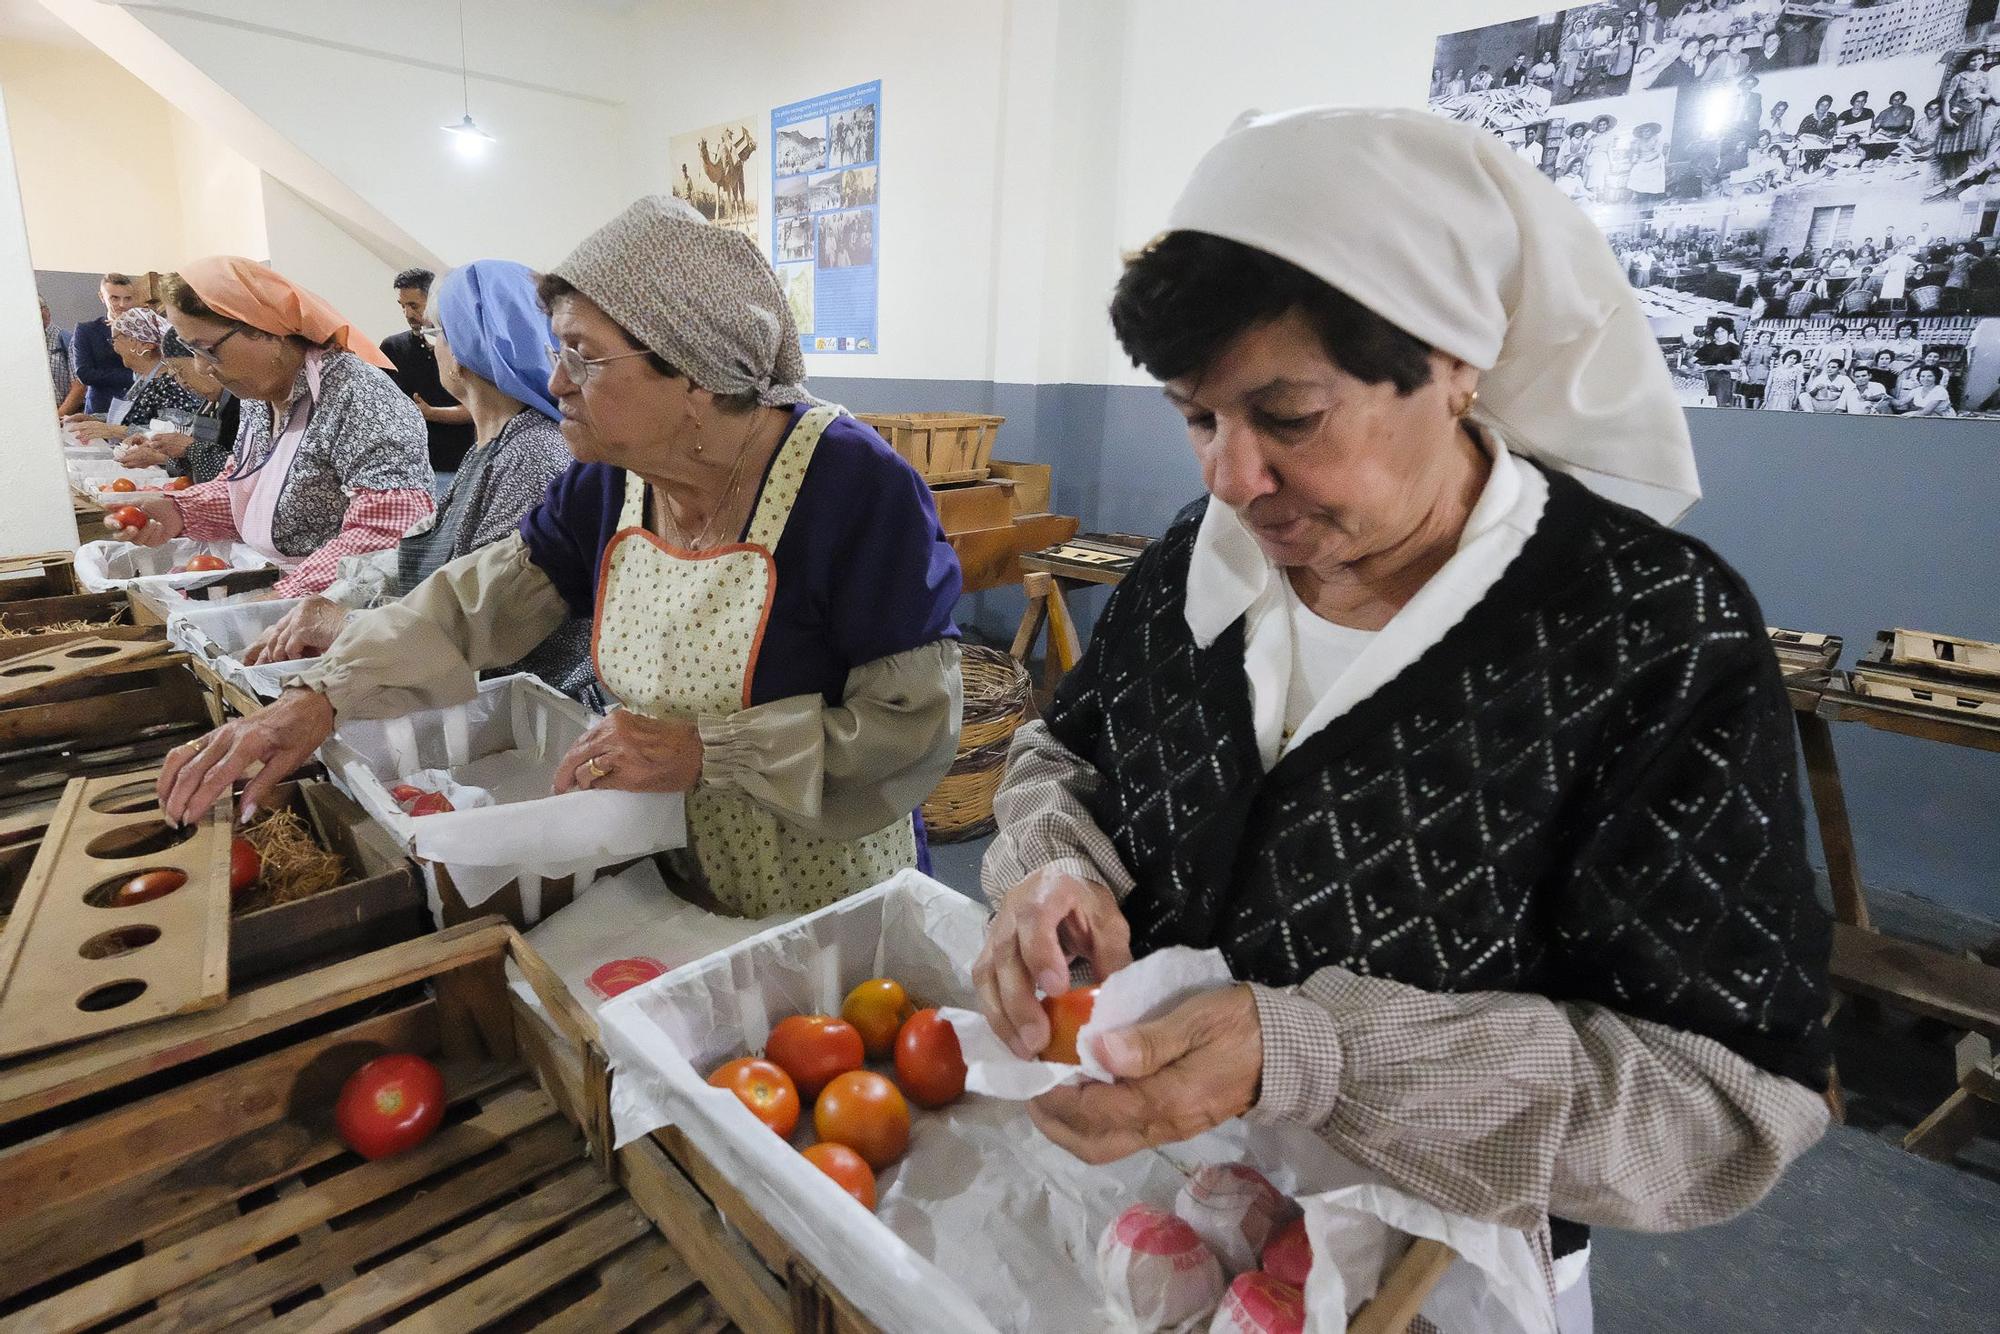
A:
<point x="1445" y="232"/>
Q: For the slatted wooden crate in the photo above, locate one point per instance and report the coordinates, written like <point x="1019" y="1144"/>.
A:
<point x="65" y="613"/>
<point x="46" y="574"/>
<point x="185" y="1177"/>
<point x="943" y="446"/>
<point x="100" y="725"/>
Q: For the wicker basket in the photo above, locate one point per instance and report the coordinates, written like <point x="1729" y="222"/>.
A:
<point x="943" y="446"/>
<point x="996" y="703"/>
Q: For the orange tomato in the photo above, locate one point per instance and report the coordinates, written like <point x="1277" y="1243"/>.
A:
<point x="762" y="1087"/>
<point x="929" y="1065"/>
<point x="812" y="1049"/>
<point x="245" y="865"/>
<point x="178" y="484"/>
<point x="122" y="484"/>
<point x="147" y="886"/>
<point x="130" y="517"/>
<point x="205" y="563"/>
<point x="847" y="1169"/>
<point x="877" y="1009"/>
<point x="1067" y="1013"/>
<point x="866" y="1113"/>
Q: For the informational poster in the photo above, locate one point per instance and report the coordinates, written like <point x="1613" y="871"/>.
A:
<point x="826" y="192"/>
<point x="1805" y="195"/>
<point x="715" y="169"/>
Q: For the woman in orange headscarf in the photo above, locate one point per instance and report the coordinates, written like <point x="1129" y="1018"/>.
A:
<point x="330" y="458"/>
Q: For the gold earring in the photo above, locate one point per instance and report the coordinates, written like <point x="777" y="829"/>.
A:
<point x="1466" y="405"/>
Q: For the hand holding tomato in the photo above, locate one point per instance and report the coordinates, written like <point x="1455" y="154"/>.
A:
<point x="1067" y="1014"/>
<point x="390" y="1105"/>
<point x="1190" y="1069"/>
<point x="1043" y="923"/>
<point x="762" y="1087"/>
<point x="161" y="519"/>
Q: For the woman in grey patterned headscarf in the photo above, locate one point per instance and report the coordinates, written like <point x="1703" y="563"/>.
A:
<point x="771" y="590"/>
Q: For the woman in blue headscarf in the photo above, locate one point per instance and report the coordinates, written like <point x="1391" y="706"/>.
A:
<point x="493" y="345"/>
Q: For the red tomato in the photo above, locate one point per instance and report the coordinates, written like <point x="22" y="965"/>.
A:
<point x="245" y="865"/>
<point x="390" y="1105"/>
<point x="866" y="1113"/>
<point x="812" y="1049"/>
<point x="1067" y="1013"/>
<point x="847" y="1169"/>
<point x="1256" y="1300"/>
<point x="205" y="564"/>
<point x="615" y="976"/>
<point x="431" y="803"/>
<point x="1288" y="1256"/>
<point x="147" y="886"/>
<point x="129" y="516"/>
<point x="178" y="484"/>
<point x="877" y="1009"/>
<point x="762" y="1087"/>
<point x="929" y="1065"/>
<point x="403" y="793"/>
<point x="122" y="484"/>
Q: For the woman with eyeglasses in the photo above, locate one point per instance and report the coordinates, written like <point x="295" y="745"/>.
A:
<point x="492" y="342"/>
<point x="330" y="458"/>
<point x="772" y="592"/>
<point x="136" y="337"/>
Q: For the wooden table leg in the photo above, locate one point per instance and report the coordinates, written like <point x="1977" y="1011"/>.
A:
<point x="1836" y="835"/>
<point x="1064" y="648"/>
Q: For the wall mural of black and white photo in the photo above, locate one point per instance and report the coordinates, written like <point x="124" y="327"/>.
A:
<point x="1806" y="196"/>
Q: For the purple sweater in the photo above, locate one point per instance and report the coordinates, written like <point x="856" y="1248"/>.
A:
<point x="864" y="570"/>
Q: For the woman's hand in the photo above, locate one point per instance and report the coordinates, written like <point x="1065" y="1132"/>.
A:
<point x="274" y="741"/>
<point x="137" y="452"/>
<point x="629" y="752"/>
<point x="1044" y="922"/>
<point x="169" y="444"/>
<point x="97" y="430"/>
<point x="1187" y="1071"/>
<point x="306" y="631"/>
<point x="163" y="517"/>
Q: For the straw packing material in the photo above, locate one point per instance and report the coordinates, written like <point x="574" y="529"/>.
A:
<point x="295" y="866"/>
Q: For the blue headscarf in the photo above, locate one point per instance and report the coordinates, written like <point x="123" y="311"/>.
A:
<point x="498" y="330"/>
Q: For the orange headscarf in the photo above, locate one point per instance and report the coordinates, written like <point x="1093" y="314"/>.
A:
<point x="261" y="297"/>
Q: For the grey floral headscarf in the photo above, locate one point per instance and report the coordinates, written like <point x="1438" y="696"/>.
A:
<point x="703" y="297"/>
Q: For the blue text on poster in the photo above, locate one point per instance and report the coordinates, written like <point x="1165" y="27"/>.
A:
<point x="826" y="193"/>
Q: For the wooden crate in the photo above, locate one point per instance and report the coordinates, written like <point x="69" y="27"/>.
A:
<point x="1952" y="655"/>
<point x="943" y="446"/>
<point x="1029" y="485"/>
<point x="185" y="1176"/>
<point x="44" y="575"/>
<point x="101" y="725"/>
<point x="963" y="507"/>
<point x="36" y="616"/>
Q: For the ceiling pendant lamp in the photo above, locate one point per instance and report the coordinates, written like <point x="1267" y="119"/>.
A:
<point x="466" y="135"/>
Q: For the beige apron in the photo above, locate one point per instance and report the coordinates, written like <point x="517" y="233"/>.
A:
<point x="677" y="635"/>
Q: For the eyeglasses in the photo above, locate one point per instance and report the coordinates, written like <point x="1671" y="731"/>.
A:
<point x="208" y="354"/>
<point x="431" y="334"/>
<point x="580" y="368"/>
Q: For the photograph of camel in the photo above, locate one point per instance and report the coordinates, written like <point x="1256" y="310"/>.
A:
<point x="717" y="170"/>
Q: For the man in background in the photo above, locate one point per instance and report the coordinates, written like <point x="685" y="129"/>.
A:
<point x="416" y="373"/>
<point x="59" y="374"/>
<point x="101" y="374"/>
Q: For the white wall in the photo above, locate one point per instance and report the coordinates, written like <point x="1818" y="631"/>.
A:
<point x="694" y="64"/>
<point x="221" y="194"/>
<point x="311" y="250"/>
<point x="34" y="504"/>
<point x="362" y="87"/>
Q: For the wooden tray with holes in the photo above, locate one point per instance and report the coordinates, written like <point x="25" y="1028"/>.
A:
<point x="72" y="660"/>
<point x="79" y="957"/>
<point x="1949" y="655"/>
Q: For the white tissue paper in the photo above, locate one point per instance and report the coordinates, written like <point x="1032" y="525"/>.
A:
<point x="220" y="633"/>
<point x="507" y="741"/>
<point x="105" y="565"/>
<point x="90" y="473"/>
<point x="1132" y="995"/>
<point x="986" y="1224"/>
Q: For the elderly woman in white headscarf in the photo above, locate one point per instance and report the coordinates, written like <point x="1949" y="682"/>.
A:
<point x="138" y="336"/>
<point x="771" y="591"/>
<point x="1479" y="776"/>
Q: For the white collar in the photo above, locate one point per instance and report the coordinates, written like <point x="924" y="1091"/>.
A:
<point x="1228" y="572"/>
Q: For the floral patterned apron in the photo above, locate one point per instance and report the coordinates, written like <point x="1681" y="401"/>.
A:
<point x="677" y="635"/>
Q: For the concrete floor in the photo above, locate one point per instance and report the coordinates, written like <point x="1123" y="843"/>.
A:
<point x="1859" y="1238"/>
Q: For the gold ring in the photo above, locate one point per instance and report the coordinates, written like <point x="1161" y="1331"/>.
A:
<point x="194" y="746"/>
<point x="595" y="770"/>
